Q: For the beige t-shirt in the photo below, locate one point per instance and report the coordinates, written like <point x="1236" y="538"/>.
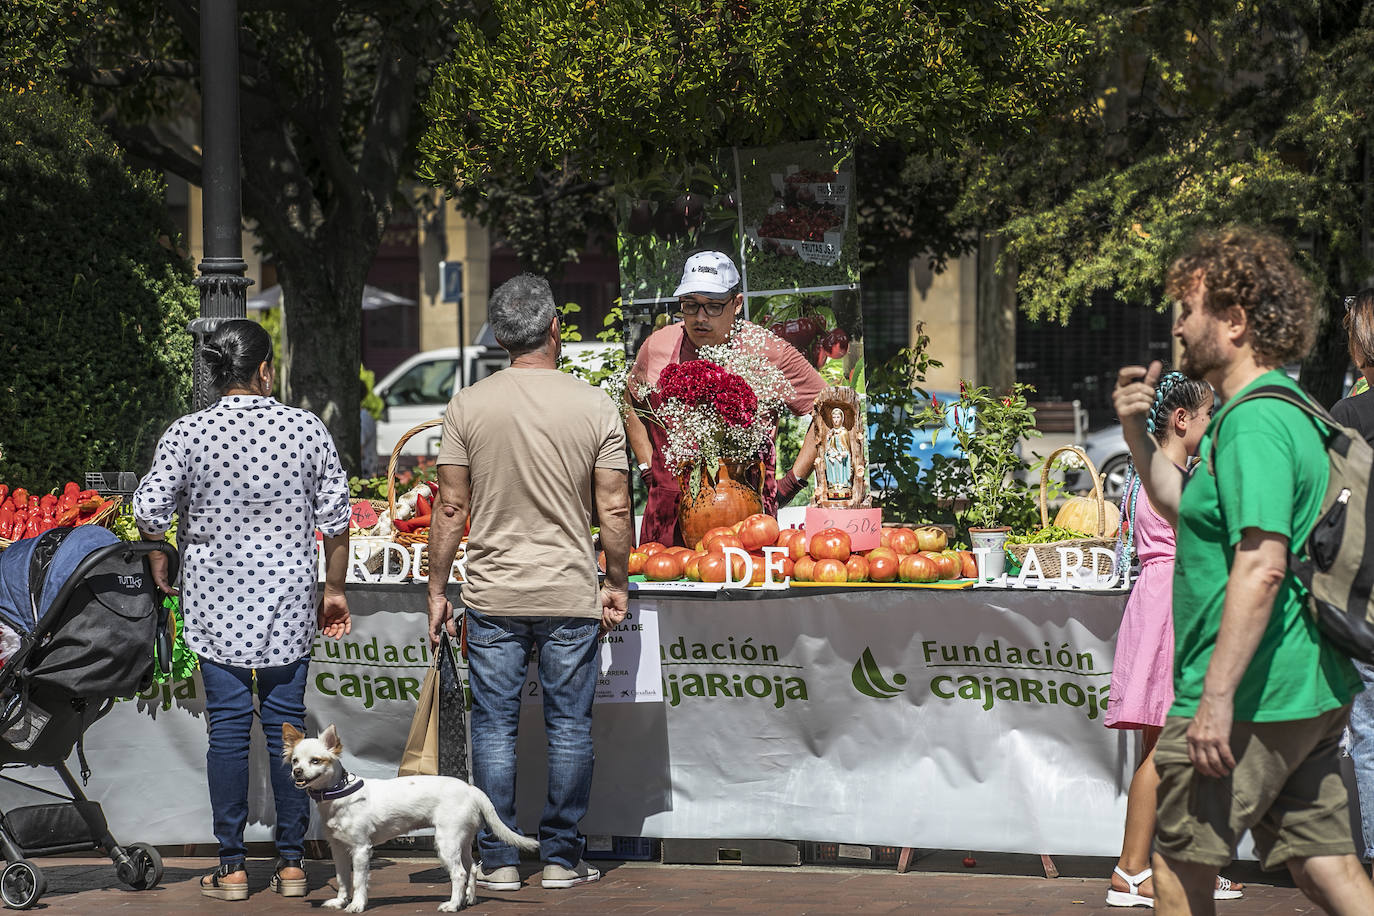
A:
<point x="531" y="439"/>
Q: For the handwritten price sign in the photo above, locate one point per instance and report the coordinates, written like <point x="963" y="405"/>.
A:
<point x="864" y="526"/>
<point x="364" y="516"/>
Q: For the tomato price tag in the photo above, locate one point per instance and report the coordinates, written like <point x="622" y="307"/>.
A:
<point x="364" y="516"/>
<point x="864" y="526"/>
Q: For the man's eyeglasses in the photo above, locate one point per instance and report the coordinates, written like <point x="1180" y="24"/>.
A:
<point x="710" y="307"/>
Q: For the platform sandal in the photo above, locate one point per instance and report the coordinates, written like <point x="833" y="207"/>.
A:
<point x="212" y="884"/>
<point x="288" y="887"/>
<point x="1132" y="896"/>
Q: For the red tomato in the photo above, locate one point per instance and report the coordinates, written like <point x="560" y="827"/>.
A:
<point x="662" y="566"/>
<point x="718" y="543"/>
<point x="828" y="570"/>
<point x="903" y="542"/>
<point x="830" y="544"/>
<point x="856" y="568"/>
<point x="968" y="564"/>
<point x="917" y="568"/>
<point x="881" y="552"/>
<point x="758" y="531"/>
<point x="651" y="548"/>
<point x="601" y="560"/>
<point x="637" y="558"/>
<point x="882" y="568"/>
<point x="705" y="541"/>
<point x="692" y="568"/>
<point x="712" y="567"/>
<point x="803" y="569"/>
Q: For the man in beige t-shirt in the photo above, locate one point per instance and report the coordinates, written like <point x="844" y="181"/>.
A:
<point x="531" y="453"/>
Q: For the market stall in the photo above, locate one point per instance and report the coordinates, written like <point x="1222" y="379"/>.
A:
<point x="950" y="718"/>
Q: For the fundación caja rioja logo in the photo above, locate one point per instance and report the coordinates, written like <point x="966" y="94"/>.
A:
<point x="869" y="680"/>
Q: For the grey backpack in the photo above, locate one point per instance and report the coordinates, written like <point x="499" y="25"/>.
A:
<point x="1336" y="564"/>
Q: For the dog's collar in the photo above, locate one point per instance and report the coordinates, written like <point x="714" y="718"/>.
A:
<point x="347" y="785"/>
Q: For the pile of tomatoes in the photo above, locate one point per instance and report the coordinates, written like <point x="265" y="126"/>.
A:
<point x="24" y="514"/>
<point x="905" y="554"/>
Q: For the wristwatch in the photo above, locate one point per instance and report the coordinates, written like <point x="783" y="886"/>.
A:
<point x="643" y="468"/>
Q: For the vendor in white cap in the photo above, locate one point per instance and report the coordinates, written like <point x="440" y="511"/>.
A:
<point x="710" y="303"/>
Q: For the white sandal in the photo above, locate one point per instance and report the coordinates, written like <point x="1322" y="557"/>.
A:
<point x="1131" y="897"/>
<point x="1226" y="890"/>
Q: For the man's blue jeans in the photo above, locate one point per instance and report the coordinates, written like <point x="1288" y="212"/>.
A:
<point x="229" y="713"/>
<point x="1362" y="754"/>
<point x="498" y="657"/>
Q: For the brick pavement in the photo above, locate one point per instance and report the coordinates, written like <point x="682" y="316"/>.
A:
<point x="1000" y="885"/>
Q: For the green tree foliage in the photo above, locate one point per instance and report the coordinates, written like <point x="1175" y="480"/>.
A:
<point x="329" y="93"/>
<point x="1191" y="116"/>
<point x="619" y="88"/>
<point x="93" y="300"/>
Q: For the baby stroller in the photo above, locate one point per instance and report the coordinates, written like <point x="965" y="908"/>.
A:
<point x="84" y="618"/>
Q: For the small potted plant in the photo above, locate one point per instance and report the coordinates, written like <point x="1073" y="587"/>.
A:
<point x="988" y="429"/>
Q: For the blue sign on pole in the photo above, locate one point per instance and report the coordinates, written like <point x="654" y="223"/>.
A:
<point x="451" y="281"/>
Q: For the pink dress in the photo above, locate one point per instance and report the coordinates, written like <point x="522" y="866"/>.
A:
<point x="1142" y="687"/>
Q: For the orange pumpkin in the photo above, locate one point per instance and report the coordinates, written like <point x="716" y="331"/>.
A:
<point x="1080" y="514"/>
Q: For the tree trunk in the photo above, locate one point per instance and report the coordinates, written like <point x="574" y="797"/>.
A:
<point x="996" y="315"/>
<point x="322" y="321"/>
<point x="1323" y="371"/>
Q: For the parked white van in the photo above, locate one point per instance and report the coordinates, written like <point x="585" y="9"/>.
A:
<point x="420" y="388"/>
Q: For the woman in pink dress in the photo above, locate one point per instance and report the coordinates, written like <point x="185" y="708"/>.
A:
<point x="1142" y="688"/>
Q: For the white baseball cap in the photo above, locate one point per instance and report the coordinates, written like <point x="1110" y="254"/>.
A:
<point x="708" y="273"/>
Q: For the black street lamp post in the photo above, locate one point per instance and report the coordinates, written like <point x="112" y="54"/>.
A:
<point x="223" y="286"/>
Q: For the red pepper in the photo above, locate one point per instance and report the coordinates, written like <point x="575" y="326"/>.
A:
<point x="89" y="506"/>
<point x="6" y="522"/>
<point x="71" y="488"/>
<point x="4" y="491"/>
<point x="86" y="495"/>
<point x="66" y="502"/>
<point x="35" y="526"/>
<point x="67" y="516"/>
<point x="8" y="504"/>
<point x="47" y="501"/>
<point x="21" y="498"/>
<point x="422" y="508"/>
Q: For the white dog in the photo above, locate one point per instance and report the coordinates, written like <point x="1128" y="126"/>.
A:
<point x="358" y="815"/>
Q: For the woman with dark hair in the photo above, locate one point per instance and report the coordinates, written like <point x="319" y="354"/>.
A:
<point x="252" y="480"/>
<point x="1142" y="687"/>
<point x="1358" y="410"/>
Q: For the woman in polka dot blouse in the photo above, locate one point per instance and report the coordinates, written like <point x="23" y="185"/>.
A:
<point x="252" y="480"/>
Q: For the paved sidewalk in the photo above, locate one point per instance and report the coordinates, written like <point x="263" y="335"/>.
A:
<point x="418" y="885"/>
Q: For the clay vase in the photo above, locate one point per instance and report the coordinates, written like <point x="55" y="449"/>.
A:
<point x="731" y="499"/>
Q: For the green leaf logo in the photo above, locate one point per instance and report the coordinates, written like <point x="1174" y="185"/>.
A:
<point x="869" y="681"/>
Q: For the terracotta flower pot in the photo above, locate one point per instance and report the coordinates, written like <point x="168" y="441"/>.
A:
<point x="731" y="499"/>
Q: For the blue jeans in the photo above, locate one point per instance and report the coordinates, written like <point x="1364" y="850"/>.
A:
<point x="1362" y="754"/>
<point x="498" y="657"/>
<point x="229" y="713"/>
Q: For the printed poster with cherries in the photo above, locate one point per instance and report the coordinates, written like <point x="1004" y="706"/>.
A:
<point x="786" y="215"/>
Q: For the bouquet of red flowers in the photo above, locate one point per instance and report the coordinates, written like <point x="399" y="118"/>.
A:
<point x="721" y="407"/>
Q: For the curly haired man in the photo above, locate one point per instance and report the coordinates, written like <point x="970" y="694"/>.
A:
<point x="1252" y="741"/>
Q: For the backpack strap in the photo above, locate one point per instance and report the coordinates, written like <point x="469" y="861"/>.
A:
<point x="1281" y="393"/>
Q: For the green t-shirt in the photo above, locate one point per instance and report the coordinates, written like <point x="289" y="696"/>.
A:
<point x="1271" y="474"/>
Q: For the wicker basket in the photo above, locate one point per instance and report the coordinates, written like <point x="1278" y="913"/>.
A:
<point x="1047" y="553"/>
<point x="404" y="537"/>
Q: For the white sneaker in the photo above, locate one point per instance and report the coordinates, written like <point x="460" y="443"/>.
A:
<point x="556" y="876"/>
<point x="505" y="878"/>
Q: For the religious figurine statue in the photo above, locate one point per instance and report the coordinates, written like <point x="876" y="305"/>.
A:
<point x="838" y="474"/>
<point x="841" y="473"/>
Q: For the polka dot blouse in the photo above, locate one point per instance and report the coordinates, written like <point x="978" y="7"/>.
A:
<point x="252" y="479"/>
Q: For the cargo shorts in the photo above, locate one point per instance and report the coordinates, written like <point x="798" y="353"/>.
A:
<point x="1286" y="790"/>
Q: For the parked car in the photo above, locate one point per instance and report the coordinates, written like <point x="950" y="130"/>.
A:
<point x="420" y="388"/>
<point x="923" y="443"/>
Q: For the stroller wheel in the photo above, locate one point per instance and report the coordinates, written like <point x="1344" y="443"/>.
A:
<point x="21" y="884"/>
<point x="147" y="867"/>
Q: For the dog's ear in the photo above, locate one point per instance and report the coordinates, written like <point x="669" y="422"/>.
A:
<point x="331" y="741"/>
<point x="290" y="737"/>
